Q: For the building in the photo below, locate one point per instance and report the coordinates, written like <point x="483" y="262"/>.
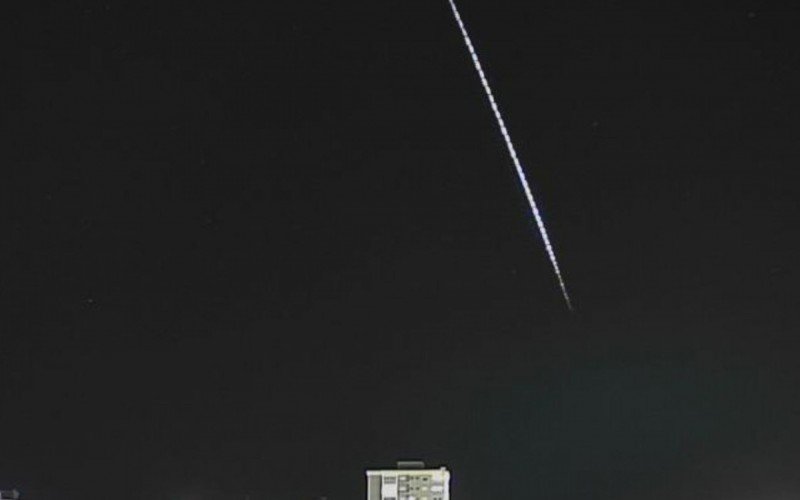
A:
<point x="409" y="481"/>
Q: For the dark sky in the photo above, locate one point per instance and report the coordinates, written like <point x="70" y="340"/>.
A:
<point x="257" y="248"/>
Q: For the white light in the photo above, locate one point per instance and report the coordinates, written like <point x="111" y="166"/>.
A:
<point x="513" y="152"/>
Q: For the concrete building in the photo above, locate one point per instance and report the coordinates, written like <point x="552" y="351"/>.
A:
<point x="409" y="481"/>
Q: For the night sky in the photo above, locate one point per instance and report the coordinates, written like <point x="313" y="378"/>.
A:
<point x="254" y="249"/>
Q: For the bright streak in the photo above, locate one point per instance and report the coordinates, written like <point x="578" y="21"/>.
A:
<point x="513" y="152"/>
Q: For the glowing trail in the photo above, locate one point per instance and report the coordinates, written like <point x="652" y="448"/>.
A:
<point x="513" y="152"/>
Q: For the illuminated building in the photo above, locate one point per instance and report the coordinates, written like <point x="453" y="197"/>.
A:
<point x="409" y="481"/>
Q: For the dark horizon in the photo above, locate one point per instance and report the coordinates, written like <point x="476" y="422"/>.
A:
<point x="258" y="249"/>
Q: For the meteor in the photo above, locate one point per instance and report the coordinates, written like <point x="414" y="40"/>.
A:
<point x="512" y="152"/>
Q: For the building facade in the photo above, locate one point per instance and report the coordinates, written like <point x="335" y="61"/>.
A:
<point x="409" y="481"/>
